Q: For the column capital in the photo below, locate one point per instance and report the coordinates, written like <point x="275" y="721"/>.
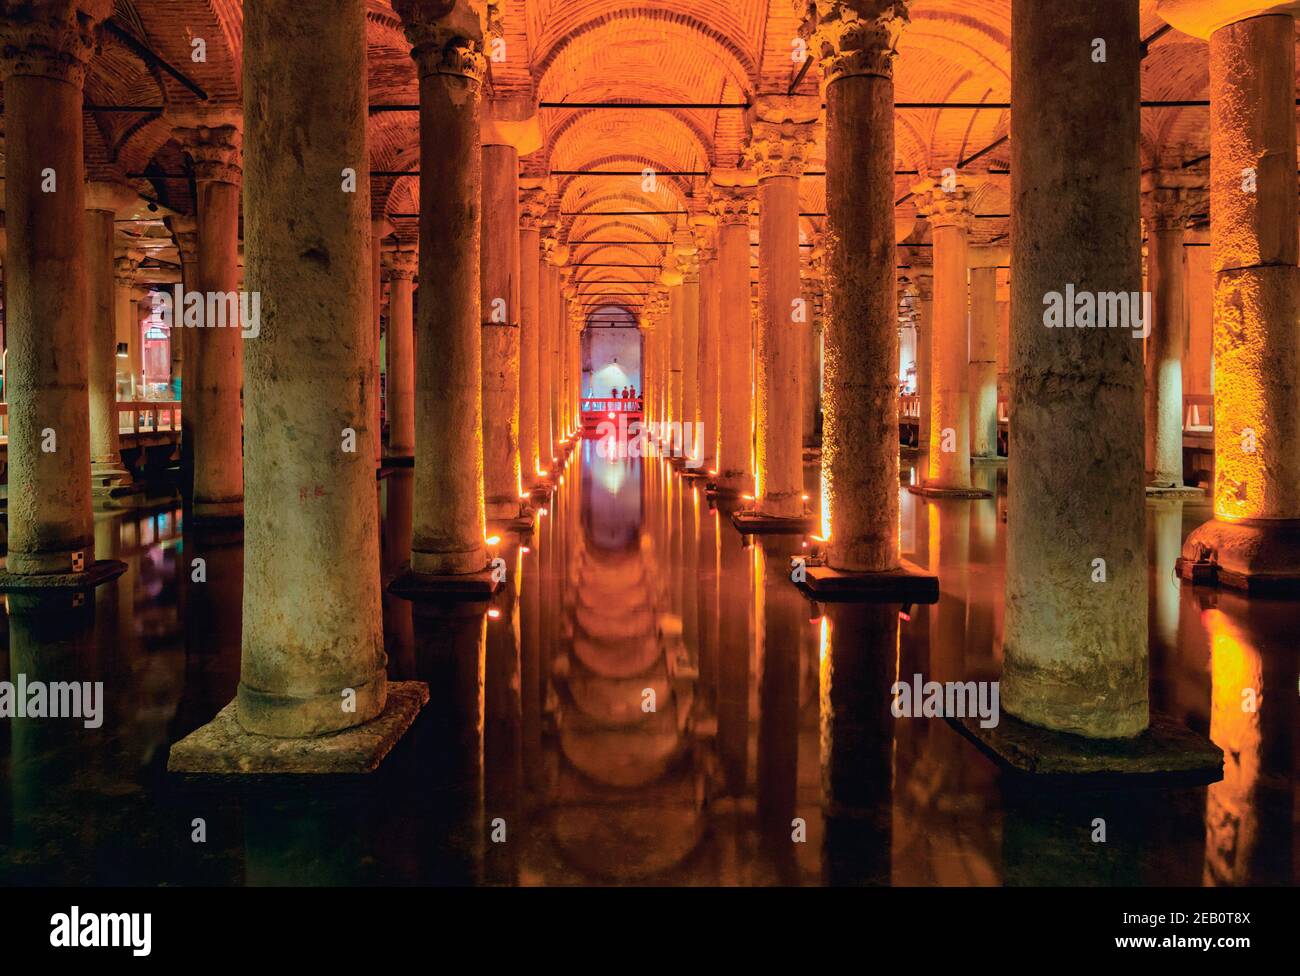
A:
<point x="944" y="206"/>
<point x="448" y="38"/>
<point x="185" y="229"/>
<point x="511" y="121"/>
<point x="987" y="256"/>
<point x="779" y="148"/>
<point x="381" y="227"/>
<point x="53" y="39"/>
<point x="400" y="259"/>
<point x="213" y="138"/>
<point x="110" y="197"/>
<point x="853" y="37"/>
<point x="126" y="265"/>
<point x="731" y="204"/>
<point x="1169" y="197"/>
<point x="1201" y="18"/>
<point x="534" y="203"/>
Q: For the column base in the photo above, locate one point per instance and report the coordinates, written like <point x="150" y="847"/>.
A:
<point x="461" y="587"/>
<point x="1174" y="491"/>
<point x="987" y="459"/>
<point x="725" y="487"/>
<point x="1167" y="753"/>
<point x="751" y="522"/>
<point x="109" y="474"/>
<point x="908" y="583"/>
<point x="216" y="514"/>
<point x="99" y="572"/>
<point x="938" y="492"/>
<point x="1258" y="557"/>
<point x="523" y="522"/>
<point x="223" y="747"/>
<point x="109" y="498"/>
<point x="398" y="460"/>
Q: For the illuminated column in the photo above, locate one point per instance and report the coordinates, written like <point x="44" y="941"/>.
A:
<point x="948" y="211"/>
<point x="103" y="202"/>
<point x="1075" y="641"/>
<point x="860" y="403"/>
<point x="560" y="359"/>
<point x="984" y="351"/>
<point x="545" y="340"/>
<point x="379" y="229"/>
<point x="1253" y="542"/>
<point x="212" y="138"/>
<point x="811" y="352"/>
<point x="402" y="262"/>
<point x="688" y="263"/>
<point x="672" y="278"/>
<point x="313" y="650"/>
<point x="781" y="137"/>
<point x="924" y="358"/>
<point x="43" y="54"/>
<point x="1166" y="209"/>
<point x="731" y="205"/>
<point x="577" y="321"/>
<point x="707" y="358"/>
<point x="532" y="209"/>
<point x="186" y="232"/>
<point x="448" y="530"/>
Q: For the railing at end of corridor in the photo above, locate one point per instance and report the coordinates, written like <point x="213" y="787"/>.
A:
<point x="133" y="417"/>
<point x="598" y="409"/>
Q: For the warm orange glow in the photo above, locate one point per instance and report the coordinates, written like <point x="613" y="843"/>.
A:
<point x="826" y="507"/>
<point x="492" y="540"/>
<point x="494" y="613"/>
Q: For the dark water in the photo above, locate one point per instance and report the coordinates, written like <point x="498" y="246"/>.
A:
<point x="649" y="700"/>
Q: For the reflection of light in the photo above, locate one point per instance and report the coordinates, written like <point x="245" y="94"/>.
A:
<point x="492" y="540"/>
<point x="824" y="639"/>
<point x="494" y="613"/>
<point x="826" y="507"/>
<point x="524" y="549"/>
<point x="748" y="498"/>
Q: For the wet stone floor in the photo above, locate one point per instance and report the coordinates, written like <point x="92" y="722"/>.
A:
<point x="648" y="700"/>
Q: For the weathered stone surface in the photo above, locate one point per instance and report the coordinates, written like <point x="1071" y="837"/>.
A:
<point x="224" y="747"/>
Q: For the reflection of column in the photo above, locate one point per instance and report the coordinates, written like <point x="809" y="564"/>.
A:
<point x="983" y="352"/>
<point x="212" y="139"/>
<point x="949" y="214"/>
<point x="44" y="53"/>
<point x="860" y="402"/>
<point x="103" y="200"/>
<point x="731" y="205"/>
<point x="1166" y="517"/>
<point x="778" y="148"/>
<point x="1165" y="206"/>
<point x="1254" y="539"/>
<point x="318" y="642"/>
<point x="402" y="262"/>
<point x="448" y="531"/>
<point x="1075" y="646"/>
<point x="532" y="208"/>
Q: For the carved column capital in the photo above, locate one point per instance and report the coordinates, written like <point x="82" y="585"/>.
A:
<point x="185" y="230"/>
<point x="731" y="204"/>
<point x="126" y="266"/>
<point x="853" y="37"/>
<point x="448" y="37"/>
<point x="213" y="139"/>
<point x="779" y="148"/>
<point x="400" y="260"/>
<point x="534" y="203"/>
<point x="1168" y="207"/>
<point x="944" y="205"/>
<point x="50" y="38"/>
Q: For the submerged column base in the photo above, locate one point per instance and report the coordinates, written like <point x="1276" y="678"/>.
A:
<point x="1256" y="556"/>
<point x="459" y="587"/>
<point x="98" y="572"/>
<point x="935" y="491"/>
<point x="223" y="746"/>
<point x="908" y="583"/>
<point x="753" y="522"/>
<point x="1174" y="491"/>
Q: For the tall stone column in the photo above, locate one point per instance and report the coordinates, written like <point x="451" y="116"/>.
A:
<point x="1075" y="640"/>
<point x="212" y="138"/>
<point x="924" y="354"/>
<point x="672" y="279"/>
<point x="984" y="351"/>
<point x="379" y="229"/>
<point x="103" y="202"/>
<point x="545" y="341"/>
<point x="948" y="472"/>
<point x="1253" y="542"/>
<point x="811" y="353"/>
<point x="560" y="375"/>
<point x="43" y="54"/>
<point x="185" y="230"/>
<point x="448" y="531"/>
<point x="688" y="264"/>
<point x="1165" y="207"/>
<point x="402" y="262"/>
<point x="780" y="140"/>
<point x="731" y="204"/>
<point x="855" y="43"/>
<point x="532" y="210"/>
<point x="313" y="657"/>
<point x="707" y="356"/>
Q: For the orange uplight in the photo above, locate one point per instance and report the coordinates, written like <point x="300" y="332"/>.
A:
<point x="494" y="613"/>
<point x="524" y="549"/>
<point x="713" y="473"/>
<point x="748" y="498"/>
<point x="492" y="540"/>
<point x="541" y="511"/>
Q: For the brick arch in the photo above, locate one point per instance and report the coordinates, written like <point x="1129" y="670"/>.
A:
<point x="686" y="135"/>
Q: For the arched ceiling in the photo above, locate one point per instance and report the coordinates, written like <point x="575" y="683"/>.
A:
<point x="663" y="51"/>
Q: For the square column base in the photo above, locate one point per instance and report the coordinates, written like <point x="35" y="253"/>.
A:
<point x="223" y="747"/>
<point x="520" y="523"/>
<point x="993" y="459"/>
<point x="1167" y="753"/>
<point x="930" y="492"/>
<point x="1181" y="491"/>
<point x="460" y="587"/>
<point x="751" y="522"/>
<point x="908" y="583"/>
<point x="99" y="572"/>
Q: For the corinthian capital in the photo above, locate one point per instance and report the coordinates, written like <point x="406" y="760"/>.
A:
<point x="779" y="148"/>
<point x="944" y="204"/>
<point x="213" y="139"/>
<point x="400" y="260"/>
<point x="853" y="37"/>
<point x="533" y="205"/>
<point x="50" y="38"/>
<point x="731" y="204"/>
<point x="448" y="37"/>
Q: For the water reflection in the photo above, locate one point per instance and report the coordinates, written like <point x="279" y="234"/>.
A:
<point x="648" y="700"/>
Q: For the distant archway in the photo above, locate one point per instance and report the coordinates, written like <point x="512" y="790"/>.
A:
<point x="611" y="352"/>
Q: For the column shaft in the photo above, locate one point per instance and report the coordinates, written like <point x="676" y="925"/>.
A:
<point x="1164" y="359"/>
<point x="983" y="361"/>
<point x="707" y="365"/>
<point x="735" y="392"/>
<point x="105" y="449"/>
<point x="400" y="354"/>
<point x="529" y="349"/>
<point x="949" y="461"/>
<point x="545" y="329"/>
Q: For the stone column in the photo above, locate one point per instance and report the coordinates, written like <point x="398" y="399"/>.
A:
<point x="781" y="137"/>
<point x="947" y="209"/>
<point x="448" y="532"/>
<point x="1253" y="542"/>
<point x="672" y="279"/>
<point x="43" y="54"/>
<point x="707" y="357"/>
<point x="212" y="138"/>
<point x="1165" y="207"/>
<point x="924" y="347"/>
<point x="984" y="351"/>
<point x="532" y="209"/>
<point x="545" y="341"/>
<point x="731" y="205"/>
<point x="1075" y="642"/>
<point x="811" y="353"/>
<point x="688" y="263"/>
<point x="860" y="401"/>
<point x="379" y="229"/>
<point x="560" y="378"/>
<point x="402" y="262"/>
<point x="103" y="202"/>
<point x="313" y="650"/>
<point x="185" y="230"/>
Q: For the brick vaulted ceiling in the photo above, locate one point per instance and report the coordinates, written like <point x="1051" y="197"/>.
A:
<point x="630" y="50"/>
